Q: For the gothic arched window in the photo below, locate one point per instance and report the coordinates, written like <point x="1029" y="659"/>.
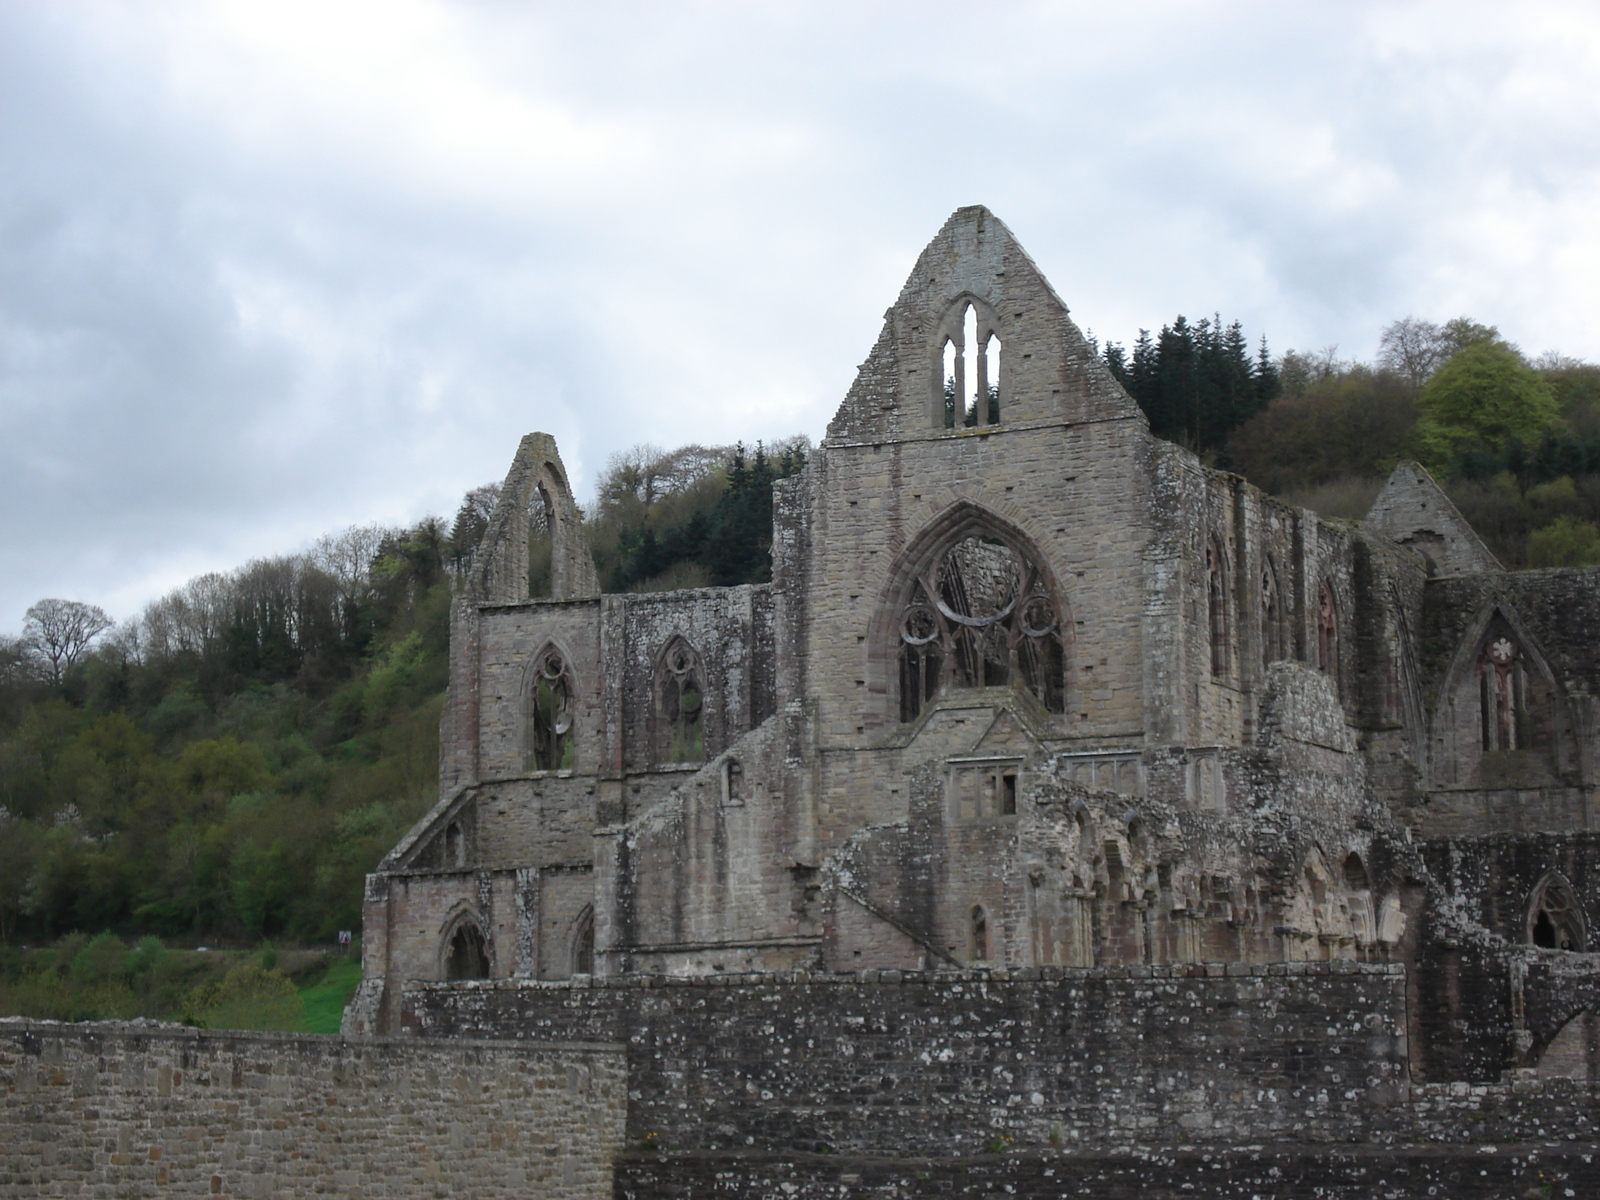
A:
<point x="1272" y="633"/>
<point x="1503" y="694"/>
<point x="550" y="740"/>
<point x="1328" y="633"/>
<point x="1555" y="918"/>
<point x="1217" y="609"/>
<point x="583" y="943"/>
<point x="468" y="956"/>
<point x="979" y="930"/>
<point x="981" y="615"/>
<point x="969" y="365"/>
<point x="680" y="705"/>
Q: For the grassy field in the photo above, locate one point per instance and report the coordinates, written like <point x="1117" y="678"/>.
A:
<point x="325" y="999"/>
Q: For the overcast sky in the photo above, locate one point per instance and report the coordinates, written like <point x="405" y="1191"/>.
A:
<point x="268" y="270"/>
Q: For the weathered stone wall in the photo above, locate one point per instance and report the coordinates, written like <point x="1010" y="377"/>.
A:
<point x="1549" y="785"/>
<point x="1487" y="999"/>
<point x="1413" y="511"/>
<point x="942" y="1062"/>
<point x="1263" y="1173"/>
<point x="130" y="1111"/>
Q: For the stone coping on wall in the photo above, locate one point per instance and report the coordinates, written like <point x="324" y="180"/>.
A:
<point x="1211" y="970"/>
<point x="168" y="1031"/>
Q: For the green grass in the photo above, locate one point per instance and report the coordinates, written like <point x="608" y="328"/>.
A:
<point x="325" y="999"/>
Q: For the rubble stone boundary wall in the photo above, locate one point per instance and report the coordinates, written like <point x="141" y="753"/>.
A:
<point x="940" y="1063"/>
<point x="142" y="1111"/>
<point x="1257" y="1173"/>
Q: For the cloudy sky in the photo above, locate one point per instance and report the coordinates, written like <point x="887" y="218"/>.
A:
<point x="268" y="270"/>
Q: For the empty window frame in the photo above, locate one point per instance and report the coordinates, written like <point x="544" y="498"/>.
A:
<point x="969" y="368"/>
<point x="1328" y="632"/>
<point x="680" y="705"/>
<point x="982" y="615"/>
<point x="982" y="791"/>
<point x="1555" y="918"/>
<point x="1274" y="643"/>
<point x="978" y="933"/>
<point x="468" y="954"/>
<point x="583" y="943"/>
<point x="1217" y="610"/>
<point x="551" y="744"/>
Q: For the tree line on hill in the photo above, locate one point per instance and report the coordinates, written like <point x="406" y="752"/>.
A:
<point x="1514" y="442"/>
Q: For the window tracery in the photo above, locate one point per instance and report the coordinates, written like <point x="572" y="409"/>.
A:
<point x="1503" y="694"/>
<point x="982" y="615"/>
<point x="1555" y="918"/>
<point x="969" y="356"/>
<point x="680" y="700"/>
<point x="550" y="739"/>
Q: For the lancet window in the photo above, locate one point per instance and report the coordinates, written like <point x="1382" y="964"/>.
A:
<point x="982" y="615"/>
<point x="1273" y="641"/>
<point x="1328" y="632"/>
<point x="970" y="369"/>
<point x="979" y="923"/>
<point x="680" y="705"/>
<point x="583" y="943"/>
<point x="468" y="956"/>
<point x="550" y="739"/>
<point x="1217" y="608"/>
<point x="1503" y="694"/>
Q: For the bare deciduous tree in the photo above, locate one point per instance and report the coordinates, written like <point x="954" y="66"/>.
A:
<point x="1413" y="348"/>
<point x="61" y="630"/>
<point x="347" y="555"/>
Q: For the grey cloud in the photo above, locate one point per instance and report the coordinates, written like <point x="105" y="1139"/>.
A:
<point x="253" y="287"/>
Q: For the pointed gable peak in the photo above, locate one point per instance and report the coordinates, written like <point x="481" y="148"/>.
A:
<point x="977" y="337"/>
<point x="1413" y="510"/>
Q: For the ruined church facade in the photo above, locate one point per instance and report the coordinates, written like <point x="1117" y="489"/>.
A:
<point x="1030" y="688"/>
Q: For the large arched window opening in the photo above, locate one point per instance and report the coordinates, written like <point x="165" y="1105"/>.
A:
<point x="468" y="954"/>
<point x="1555" y="918"/>
<point x="969" y="367"/>
<point x="550" y="742"/>
<point x="982" y="614"/>
<point x="680" y="705"/>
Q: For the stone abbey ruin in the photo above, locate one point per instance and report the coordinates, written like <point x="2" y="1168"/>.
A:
<point x="1064" y="818"/>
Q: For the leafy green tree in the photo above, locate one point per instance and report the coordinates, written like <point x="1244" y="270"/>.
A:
<point x="99" y="961"/>
<point x="1356" y="422"/>
<point x="248" y="997"/>
<point x="1484" y="396"/>
<point x="1565" y="542"/>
